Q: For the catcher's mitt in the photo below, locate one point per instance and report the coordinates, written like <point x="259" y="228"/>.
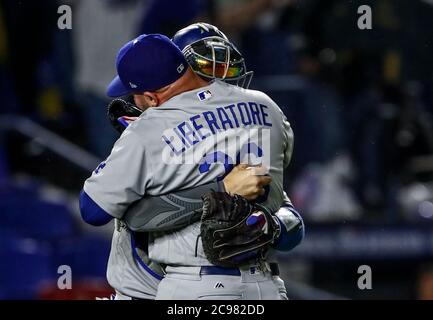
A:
<point x="234" y="231"/>
<point x="119" y="111"/>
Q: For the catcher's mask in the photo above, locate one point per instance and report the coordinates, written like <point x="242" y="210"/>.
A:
<point x="211" y="55"/>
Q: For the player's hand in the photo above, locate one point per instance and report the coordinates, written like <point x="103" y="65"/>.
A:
<point x="246" y="182"/>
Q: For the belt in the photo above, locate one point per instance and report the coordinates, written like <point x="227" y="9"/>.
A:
<point x="215" y="270"/>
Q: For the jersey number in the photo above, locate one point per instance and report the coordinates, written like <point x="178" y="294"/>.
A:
<point x="223" y="158"/>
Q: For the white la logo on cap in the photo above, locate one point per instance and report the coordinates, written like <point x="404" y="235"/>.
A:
<point x="133" y="86"/>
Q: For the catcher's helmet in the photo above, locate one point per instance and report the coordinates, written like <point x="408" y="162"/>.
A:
<point x="211" y="55"/>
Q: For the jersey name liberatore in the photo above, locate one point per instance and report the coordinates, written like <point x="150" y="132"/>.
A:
<point x="192" y="139"/>
<point x="188" y="133"/>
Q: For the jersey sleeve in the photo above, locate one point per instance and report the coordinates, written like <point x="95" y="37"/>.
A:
<point x="288" y="137"/>
<point x="121" y="179"/>
<point x="169" y="212"/>
<point x="292" y="226"/>
<point x="288" y="140"/>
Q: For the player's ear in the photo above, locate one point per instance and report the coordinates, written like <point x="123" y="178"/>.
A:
<point x="151" y="99"/>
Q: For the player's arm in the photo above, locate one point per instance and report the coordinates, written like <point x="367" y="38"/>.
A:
<point x="179" y="209"/>
<point x="291" y="225"/>
<point x="288" y="140"/>
<point x="116" y="183"/>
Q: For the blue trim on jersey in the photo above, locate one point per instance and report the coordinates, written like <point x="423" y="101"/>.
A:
<point x="91" y="212"/>
<point x="141" y="262"/>
<point x="123" y="122"/>
<point x="289" y="240"/>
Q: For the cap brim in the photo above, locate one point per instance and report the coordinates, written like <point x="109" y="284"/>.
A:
<point x="117" y="89"/>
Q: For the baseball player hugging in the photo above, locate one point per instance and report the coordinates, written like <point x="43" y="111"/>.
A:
<point x="183" y="149"/>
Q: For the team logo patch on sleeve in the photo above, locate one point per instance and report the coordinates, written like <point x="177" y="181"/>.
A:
<point x="204" y="95"/>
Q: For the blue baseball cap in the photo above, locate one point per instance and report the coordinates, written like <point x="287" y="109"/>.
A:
<point x="147" y="63"/>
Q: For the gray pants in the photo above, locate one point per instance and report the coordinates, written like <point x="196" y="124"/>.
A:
<point x="186" y="283"/>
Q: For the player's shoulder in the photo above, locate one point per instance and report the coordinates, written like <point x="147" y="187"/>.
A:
<point x="261" y="98"/>
<point x="260" y="95"/>
<point x="139" y="126"/>
<point x="252" y="94"/>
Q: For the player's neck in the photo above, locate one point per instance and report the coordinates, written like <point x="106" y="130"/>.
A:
<point x="189" y="81"/>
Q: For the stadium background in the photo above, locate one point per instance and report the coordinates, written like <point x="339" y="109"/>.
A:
<point x="360" y="103"/>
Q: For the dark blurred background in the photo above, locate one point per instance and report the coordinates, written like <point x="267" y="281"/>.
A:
<point x="360" y="103"/>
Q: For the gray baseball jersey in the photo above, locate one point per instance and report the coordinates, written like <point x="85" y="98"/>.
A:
<point x="192" y="139"/>
<point x="130" y="271"/>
